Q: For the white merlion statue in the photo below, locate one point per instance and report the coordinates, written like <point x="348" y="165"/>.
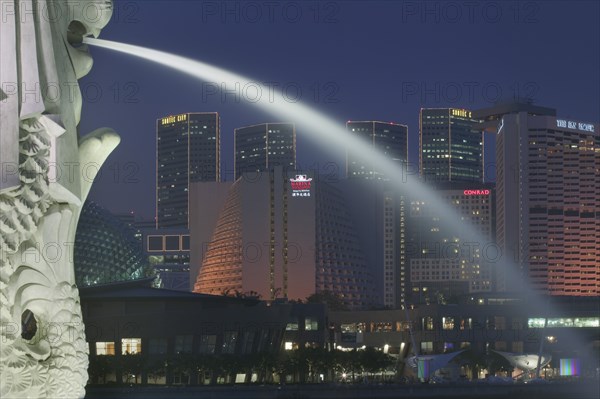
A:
<point x="43" y="351"/>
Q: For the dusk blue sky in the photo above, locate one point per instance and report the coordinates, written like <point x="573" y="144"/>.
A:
<point x="353" y="60"/>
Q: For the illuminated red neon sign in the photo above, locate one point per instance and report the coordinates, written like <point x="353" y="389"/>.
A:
<point x="300" y="186"/>
<point x="476" y="192"/>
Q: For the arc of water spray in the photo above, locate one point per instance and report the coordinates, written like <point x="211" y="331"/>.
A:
<point x="322" y="129"/>
<point x="326" y="131"/>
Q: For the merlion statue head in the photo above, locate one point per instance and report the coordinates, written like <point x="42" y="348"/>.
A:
<point x="43" y="352"/>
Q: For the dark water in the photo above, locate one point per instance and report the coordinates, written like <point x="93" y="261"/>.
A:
<point x="467" y="391"/>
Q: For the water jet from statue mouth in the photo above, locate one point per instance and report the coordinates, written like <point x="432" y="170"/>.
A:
<point x="76" y="33"/>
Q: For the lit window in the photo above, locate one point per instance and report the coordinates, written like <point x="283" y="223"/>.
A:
<point x="105" y="348"/>
<point x="311" y="324"/>
<point x="428" y="323"/>
<point x="292" y="326"/>
<point x="565" y="322"/>
<point x="448" y="323"/>
<point x="426" y="347"/>
<point x="131" y="346"/>
<point x="466" y="323"/>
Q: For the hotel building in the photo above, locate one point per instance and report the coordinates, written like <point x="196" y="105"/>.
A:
<point x="280" y="235"/>
<point x="548" y="207"/>
<point x="440" y="261"/>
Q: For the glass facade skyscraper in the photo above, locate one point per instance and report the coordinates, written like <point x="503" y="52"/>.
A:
<point x="187" y="151"/>
<point x="259" y="148"/>
<point x="389" y="138"/>
<point x="450" y="146"/>
<point x="375" y="205"/>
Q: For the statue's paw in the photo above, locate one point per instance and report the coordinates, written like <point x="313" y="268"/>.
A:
<point x="94" y="148"/>
<point x="98" y="143"/>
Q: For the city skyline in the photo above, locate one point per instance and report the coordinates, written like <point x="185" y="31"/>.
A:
<point x="450" y="147"/>
<point x="521" y="147"/>
<point x="465" y="191"/>
<point x="131" y="101"/>
<point x="300" y="198"/>
<point x="413" y="164"/>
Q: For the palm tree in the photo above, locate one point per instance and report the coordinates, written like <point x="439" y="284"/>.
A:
<point x="99" y="368"/>
<point x="183" y="364"/>
<point x="374" y="361"/>
<point x="132" y="366"/>
<point x="204" y="364"/>
<point x="266" y="366"/>
<point x="332" y="300"/>
<point x="156" y="369"/>
<point x="347" y="362"/>
<point x="319" y="360"/>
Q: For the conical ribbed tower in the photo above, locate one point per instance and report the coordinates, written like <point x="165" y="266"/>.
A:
<point x="221" y="269"/>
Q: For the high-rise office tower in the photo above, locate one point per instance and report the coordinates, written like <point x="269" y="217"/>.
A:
<point x="548" y="202"/>
<point x="388" y="138"/>
<point x="188" y="150"/>
<point x="259" y="148"/>
<point x="375" y="205"/>
<point x="377" y="211"/>
<point x="450" y="146"/>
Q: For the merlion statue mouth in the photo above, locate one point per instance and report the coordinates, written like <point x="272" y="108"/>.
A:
<point x="75" y="33"/>
<point x="44" y="353"/>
